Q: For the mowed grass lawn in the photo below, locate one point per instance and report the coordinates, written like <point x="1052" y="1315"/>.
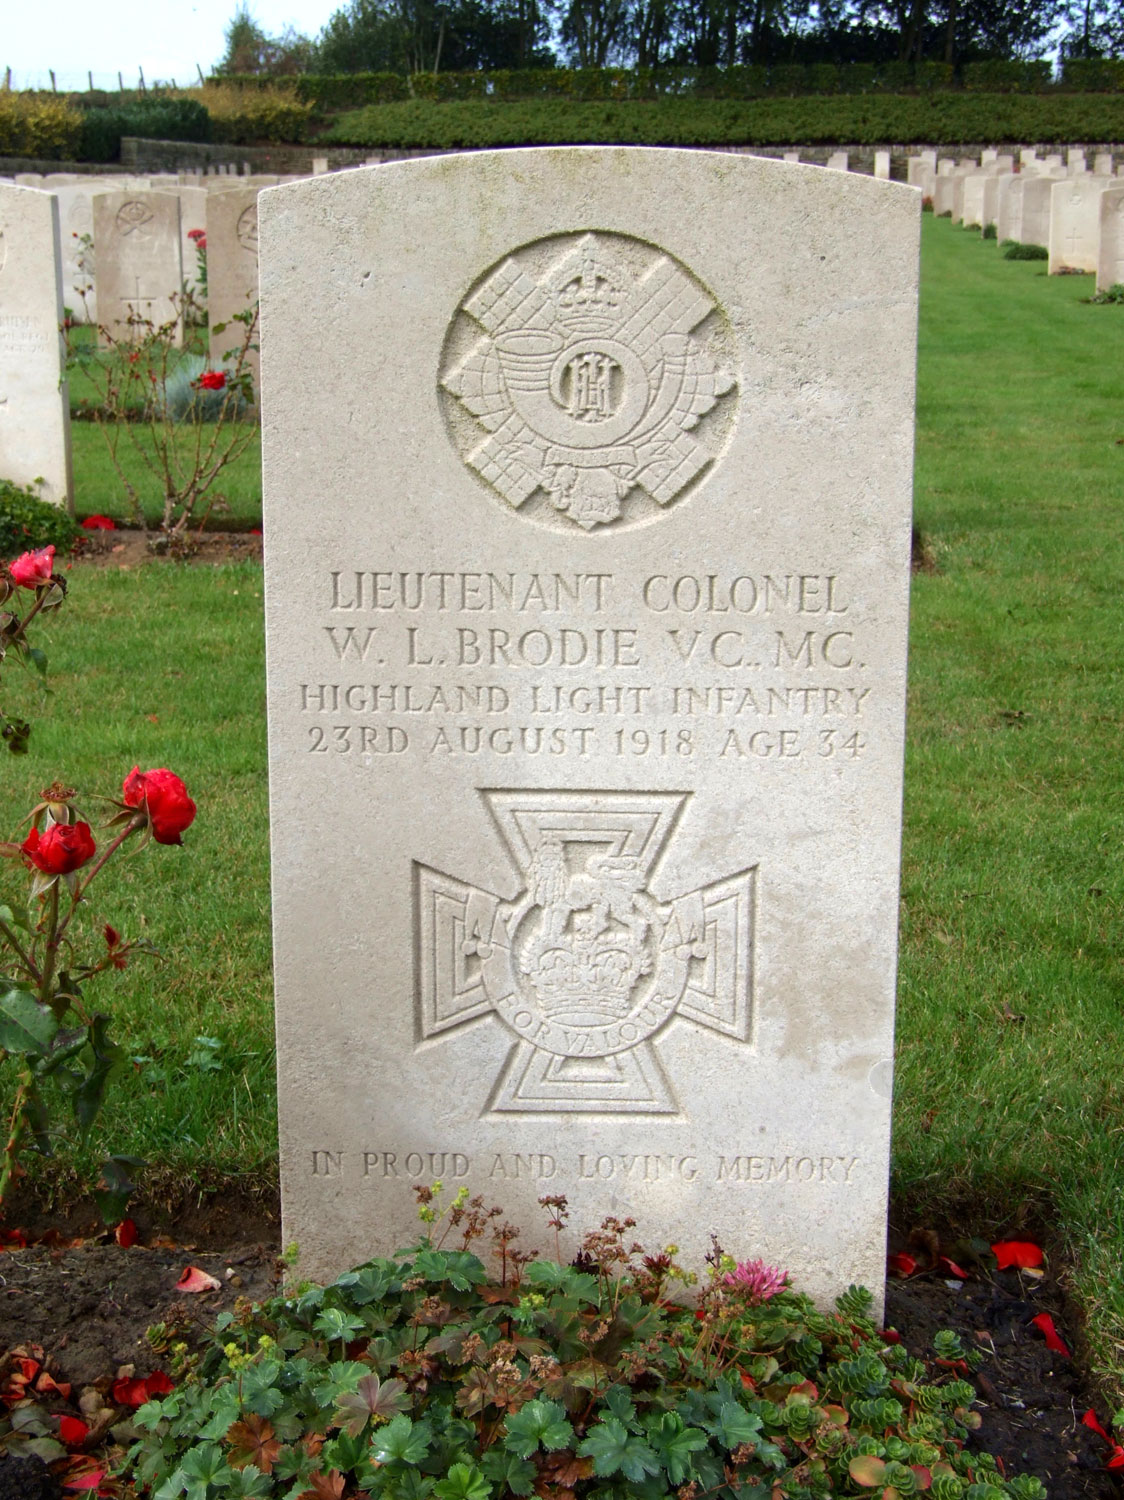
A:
<point x="1010" y="1086"/>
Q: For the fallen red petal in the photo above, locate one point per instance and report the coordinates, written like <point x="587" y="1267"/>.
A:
<point x="890" y="1336"/>
<point x="1090" y="1420"/>
<point x="902" y="1264"/>
<point x="1018" y="1253"/>
<point x="1115" y="1459"/>
<point x="130" y="1392"/>
<point x="195" y="1280"/>
<point x="1045" y="1324"/>
<point x="86" y="1482"/>
<point x="950" y="1268"/>
<point x="126" y="1233"/>
<point x="72" y="1431"/>
<point x="158" y="1384"/>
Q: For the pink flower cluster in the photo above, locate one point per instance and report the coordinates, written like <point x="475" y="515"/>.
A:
<point x="756" y="1280"/>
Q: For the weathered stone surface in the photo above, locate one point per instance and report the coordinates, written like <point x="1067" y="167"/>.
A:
<point x="587" y="509"/>
<point x="1110" y="252"/>
<point x="34" y="404"/>
<point x="1075" y="223"/>
<point x="232" y="274"/>
<point x="1036" y="211"/>
<point x="193" y="215"/>
<point x="1009" y="212"/>
<point x="138" y="263"/>
<point x="76" y="227"/>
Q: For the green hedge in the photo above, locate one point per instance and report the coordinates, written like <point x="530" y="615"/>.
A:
<point x="154" y="119"/>
<point x="353" y="90"/>
<point x="998" y="76"/>
<point x="1094" y="75"/>
<point x="939" y="119"/>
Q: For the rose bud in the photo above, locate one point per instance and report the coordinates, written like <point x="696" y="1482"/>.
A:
<point x="31" y="569"/>
<point x="60" y="848"/>
<point x="163" y="797"/>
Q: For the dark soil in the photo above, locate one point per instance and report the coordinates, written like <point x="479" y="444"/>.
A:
<point x="126" y="548"/>
<point x="90" y="1304"/>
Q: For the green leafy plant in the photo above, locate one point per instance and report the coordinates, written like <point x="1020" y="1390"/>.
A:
<point x="1012" y="250"/>
<point x="27" y="522"/>
<point x="990" y="232"/>
<point x="60" y="1046"/>
<point x="421" y="1375"/>
<point x="1110" y="294"/>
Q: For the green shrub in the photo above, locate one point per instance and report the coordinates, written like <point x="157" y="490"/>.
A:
<point x="27" y="522"/>
<point x="1111" y="294"/>
<point x="160" y="118"/>
<point x="1093" y="75"/>
<point x="1006" y="76"/>
<point x="990" y="231"/>
<point x="418" y="1377"/>
<point x="38" y="125"/>
<point x="1014" y="251"/>
<point x="844" y="119"/>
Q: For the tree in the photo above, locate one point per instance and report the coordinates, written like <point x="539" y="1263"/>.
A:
<point x="595" y="32"/>
<point x="427" y="36"/>
<point x="250" y="50"/>
<point x="1094" y="28"/>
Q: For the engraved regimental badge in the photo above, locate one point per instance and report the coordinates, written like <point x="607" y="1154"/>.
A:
<point x="585" y="966"/>
<point x="588" y="378"/>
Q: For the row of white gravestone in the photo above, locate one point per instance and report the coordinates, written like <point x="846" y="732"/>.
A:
<point x="1076" y="215"/>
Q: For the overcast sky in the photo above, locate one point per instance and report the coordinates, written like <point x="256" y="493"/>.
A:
<point x="167" y="38"/>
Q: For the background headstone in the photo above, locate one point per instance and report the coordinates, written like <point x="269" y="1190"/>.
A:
<point x="1110" y="254"/>
<point x="1075" y="223"/>
<point x="1009" y="213"/>
<point x="587" y="509"/>
<point x="34" y="404"/>
<point x="193" y="215"/>
<point x="837" y="161"/>
<point x="1036" y="211"/>
<point x="882" y="165"/>
<point x="232" y="274"/>
<point x="138" y="263"/>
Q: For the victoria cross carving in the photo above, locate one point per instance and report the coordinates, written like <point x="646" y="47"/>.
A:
<point x="585" y="966"/>
<point x="582" y="370"/>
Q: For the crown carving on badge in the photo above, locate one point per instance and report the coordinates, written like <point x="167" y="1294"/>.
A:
<point x="594" y="986"/>
<point x="590" y="292"/>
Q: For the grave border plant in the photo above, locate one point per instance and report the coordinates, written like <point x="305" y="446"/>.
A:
<point x="420" y="1375"/>
<point x="143" y="414"/>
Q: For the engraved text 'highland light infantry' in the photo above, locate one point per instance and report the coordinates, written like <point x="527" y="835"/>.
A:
<point x="585" y="966"/>
<point x="589" y="381"/>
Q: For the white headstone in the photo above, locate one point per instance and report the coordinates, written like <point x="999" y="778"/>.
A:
<point x="1027" y="154"/>
<point x="232" y="275"/>
<point x="990" y="208"/>
<point x="1110" y="253"/>
<point x="138" y="263"/>
<point x="946" y="167"/>
<point x="882" y="165"/>
<point x="837" y="161"/>
<point x="319" y="166"/>
<point x="1005" y="163"/>
<point x="988" y="154"/>
<point x="34" y="402"/>
<point x="1075" y="223"/>
<point x="971" y="205"/>
<point x="1075" y="161"/>
<point x="76" y="226"/>
<point x="792" y="156"/>
<point x="1036" y="211"/>
<point x="588" y="555"/>
<point x="1102" y="164"/>
<point x="1009" y="221"/>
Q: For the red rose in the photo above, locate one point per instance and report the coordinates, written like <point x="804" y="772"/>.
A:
<point x="99" y="523"/>
<point x="197" y="234"/>
<point x="60" y="848"/>
<point x="164" y="797"/>
<point x="31" y="569"/>
<point x="212" y="380"/>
